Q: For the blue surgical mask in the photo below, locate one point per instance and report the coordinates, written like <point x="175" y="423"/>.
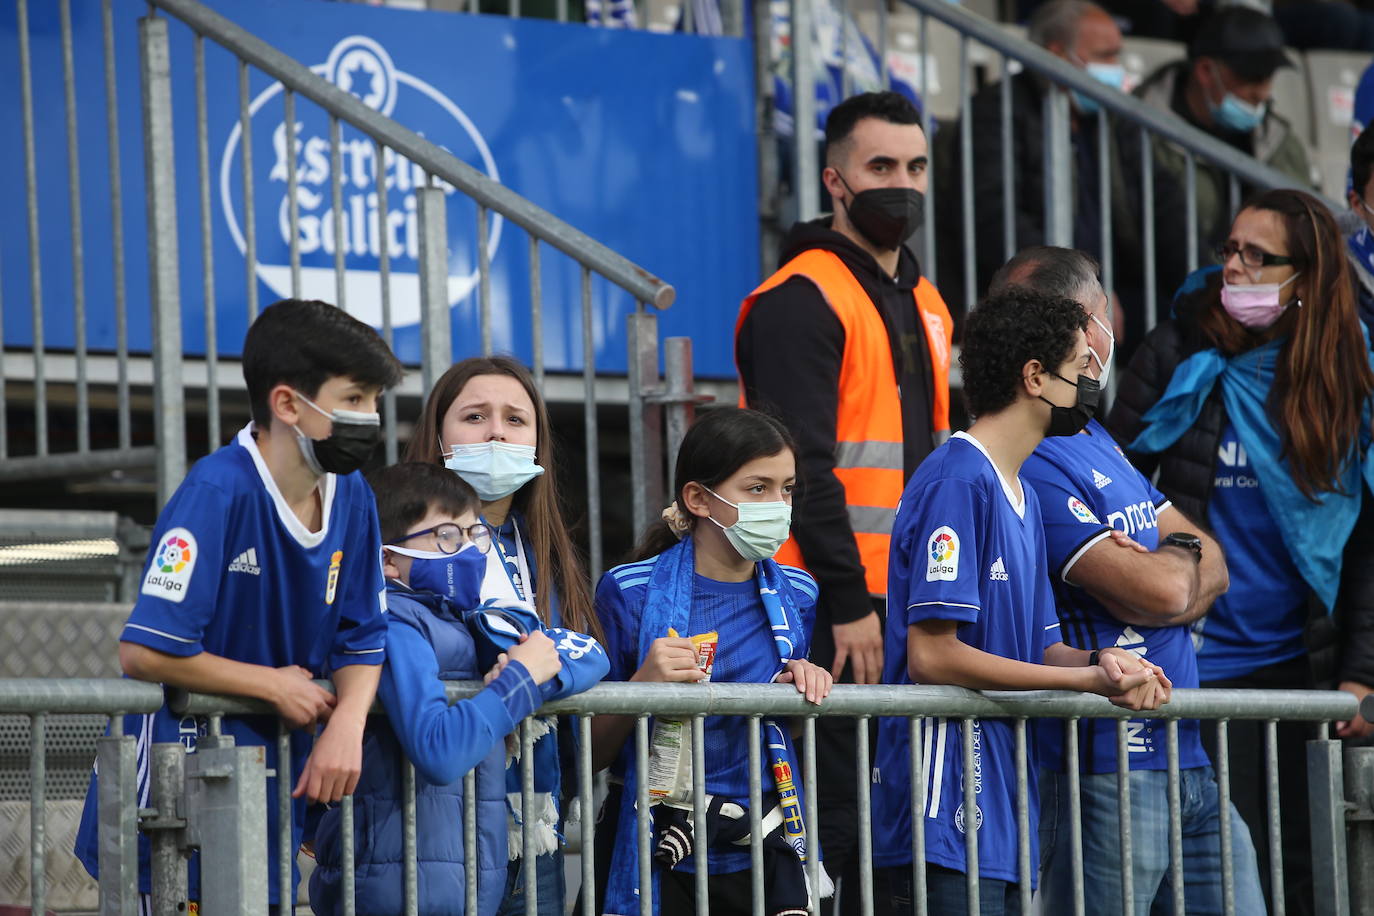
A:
<point x="1235" y="115"/>
<point x="1113" y="75"/>
<point x="456" y="576"/>
<point x="494" y="469"/>
<point x="760" y="530"/>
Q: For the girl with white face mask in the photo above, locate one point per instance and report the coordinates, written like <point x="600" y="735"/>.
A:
<point x="1253" y="402"/>
<point x="705" y="600"/>
<point x="486" y="421"/>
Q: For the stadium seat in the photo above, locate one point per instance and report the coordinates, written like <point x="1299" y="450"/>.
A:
<point x="1142" y="56"/>
<point x="1333" y="76"/>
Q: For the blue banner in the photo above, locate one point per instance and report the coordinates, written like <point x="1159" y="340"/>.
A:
<point x="645" y="142"/>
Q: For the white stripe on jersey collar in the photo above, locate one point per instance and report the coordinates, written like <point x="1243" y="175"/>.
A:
<point x="1018" y="505"/>
<point x="304" y="536"/>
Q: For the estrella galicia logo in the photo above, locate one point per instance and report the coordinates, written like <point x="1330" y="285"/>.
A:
<point x="361" y="66"/>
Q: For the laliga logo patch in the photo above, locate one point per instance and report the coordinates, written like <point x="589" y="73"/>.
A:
<point x="1081" y="511"/>
<point x="942" y="555"/>
<point x="361" y="66"/>
<point x="175" y="560"/>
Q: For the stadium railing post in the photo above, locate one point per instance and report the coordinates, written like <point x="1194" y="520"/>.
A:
<point x="1359" y="791"/>
<point x="226" y="815"/>
<point x="118" y="822"/>
<point x="1326" y="806"/>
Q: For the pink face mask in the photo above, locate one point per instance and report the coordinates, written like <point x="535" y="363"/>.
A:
<point x="1255" y="305"/>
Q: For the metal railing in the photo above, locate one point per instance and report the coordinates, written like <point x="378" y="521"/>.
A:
<point x="233" y="844"/>
<point x="388" y="143"/>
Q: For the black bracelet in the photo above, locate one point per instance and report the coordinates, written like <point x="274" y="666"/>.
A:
<point x="1094" y="657"/>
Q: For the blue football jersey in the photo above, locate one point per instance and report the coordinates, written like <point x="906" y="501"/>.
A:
<point x="1260" y="619"/>
<point x="1086" y="487"/>
<point x="233" y="572"/>
<point x="964" y="548"/>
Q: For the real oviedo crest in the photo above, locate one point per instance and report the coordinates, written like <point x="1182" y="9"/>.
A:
<point x="361" y="66"/>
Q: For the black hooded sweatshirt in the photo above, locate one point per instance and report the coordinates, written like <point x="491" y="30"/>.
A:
<point x="790" y="350"/>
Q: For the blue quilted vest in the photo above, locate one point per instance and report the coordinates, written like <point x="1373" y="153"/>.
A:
<point x="377" y="814"/>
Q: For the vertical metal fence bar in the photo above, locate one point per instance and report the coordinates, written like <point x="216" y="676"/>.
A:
<point x="207" y="251"/>
<point x="536" y="313"/>
<point x="813" y="821"/>
<point x="883" y="72"/>
<point x="336" y="204"/>
<point x="349" y="859"/>
<point x="1233" y="193"/>
<point x="436" y="328"/>
<point x="40" y="377"/>
<point x="803" y="111"/>
<point x="865" y="781"/>
<point x="1328" y="812"/>
<point x="1072" y="769"/>
<point x="1271" y="794"/>
<point x="1223" y="767"/>
<point x="470" y="837"/>
<point x="529" y="863"/>
<point x="167" y="868"/>
<point x="918" y="817"/>
<point x="118" y="821"/>
<point x="643" y="823"/>
<point x="38" y="786"/>
<point x="1104" y="203"/>
<point x="293" y="206"/>
<point x="484" y="279"/>
<point x="970" y="816"/>
<point x="966" y="170"/>
<point x="1008" y="173"/>
<point x="384" y="290"/>
<point x="699" y="830"/>
<point x="164" y="281"/>
<point x="846" y="81"/>
<point x="83" y="400"/>
<point x="410" y="842"/>
<point x="284" y="787"/>
<point x="562" y="10"/>
<point x="588" y="806"/>
<point x="589" y="421"/>
<point x="250" y="222"/>
<point x="116" y="231"/>
<point x="1058" y="176"/>
<point x="1023" y="837"/>
<point x="756" y="820"/>
<point x="1123" y="814"/>
<point x="1176" y="822"/>
<point x="1147" y="229"/>
<point x="928" y="260"/>
<point x="1190" y="207"/>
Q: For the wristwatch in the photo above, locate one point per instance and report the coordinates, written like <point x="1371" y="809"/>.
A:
<point x="1094" y="657"/>
<point x="1185" y="540"/>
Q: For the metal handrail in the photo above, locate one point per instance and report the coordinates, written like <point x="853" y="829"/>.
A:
<point x="539" y="223"/>
<point x="1121" y="104"/>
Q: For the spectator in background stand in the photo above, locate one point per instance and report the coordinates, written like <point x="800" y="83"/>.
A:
<point x="1084" y="35"/>
<point x="1360" y="242"/>
<point x="1223" y="88"/>
<point x="1336" y="24"/>
<point x="850" y="345"/>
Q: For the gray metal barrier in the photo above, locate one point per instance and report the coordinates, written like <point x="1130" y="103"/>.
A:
<point x="169" y="372"/>
<point x="204" y="799"/>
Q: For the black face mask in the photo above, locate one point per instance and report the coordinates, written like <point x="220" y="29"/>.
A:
<point x="886" y="217"/>
<point x="348" y="445"/>
<point x="1069" y="421"/>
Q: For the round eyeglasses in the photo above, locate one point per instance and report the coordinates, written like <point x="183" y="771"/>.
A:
<point x="1250" y="255"/>
<point x="451" y="537"/>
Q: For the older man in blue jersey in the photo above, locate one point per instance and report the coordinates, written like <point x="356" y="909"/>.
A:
<point x="969" y="604"/>
<point x="1130" y="571"/>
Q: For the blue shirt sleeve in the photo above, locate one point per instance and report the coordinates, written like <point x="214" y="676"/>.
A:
<point x="807" y="592"/>
<point x="939" y="543"/>
<point x="620" y="629"/>
<point x="1071" y="526"/>
<point x="361" y="637"/>
<point x="180" y="593"/>
<point x="444" y="741"/>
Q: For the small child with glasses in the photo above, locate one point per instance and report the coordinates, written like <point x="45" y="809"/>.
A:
<point x="434" y="558"/>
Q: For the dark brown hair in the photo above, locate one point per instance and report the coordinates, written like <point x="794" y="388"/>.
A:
<point x="1323" y="377"/>
<point x="556" y="557"/>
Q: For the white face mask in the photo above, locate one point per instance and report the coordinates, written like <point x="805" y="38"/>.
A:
<point x="1104" y="366"/>
<point x="760" y="530"/>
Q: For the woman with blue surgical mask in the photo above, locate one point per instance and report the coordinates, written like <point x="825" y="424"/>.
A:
<point x="1252" y="402"/>
<point x="486" y="421"/>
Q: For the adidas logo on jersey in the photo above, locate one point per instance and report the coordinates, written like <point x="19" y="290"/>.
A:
<point x="998" y="573"/>
<point x="1100" y="480"/>
<point x="247" y="562"/>
<point x="1132" y="642"/>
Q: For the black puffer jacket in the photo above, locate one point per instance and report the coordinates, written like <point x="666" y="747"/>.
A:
<point x="1340" y="646"/>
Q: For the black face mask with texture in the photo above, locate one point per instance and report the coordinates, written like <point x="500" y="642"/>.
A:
<point x="1069" y="421"/>
<point x="886" y="217"/>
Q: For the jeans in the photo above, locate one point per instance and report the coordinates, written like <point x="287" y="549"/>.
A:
<point x="946" y="893"/>
<point x="548" y="884"/>
<point x="1151" y="878"/>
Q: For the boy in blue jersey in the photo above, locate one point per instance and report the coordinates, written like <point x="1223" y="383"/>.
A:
<point x="1118" y="582"/>
<point x="969" y="604"/>
<point x="434" y="560"/>
<point x="264" y="569"/>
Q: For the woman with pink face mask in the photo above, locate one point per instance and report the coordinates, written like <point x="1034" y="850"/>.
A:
<point x="1253" y="404"/>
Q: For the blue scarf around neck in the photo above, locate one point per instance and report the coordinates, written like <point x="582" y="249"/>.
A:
<point x="1316" y="529"/>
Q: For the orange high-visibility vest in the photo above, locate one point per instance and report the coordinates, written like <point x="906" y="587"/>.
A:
<point x="868" y="430"/>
